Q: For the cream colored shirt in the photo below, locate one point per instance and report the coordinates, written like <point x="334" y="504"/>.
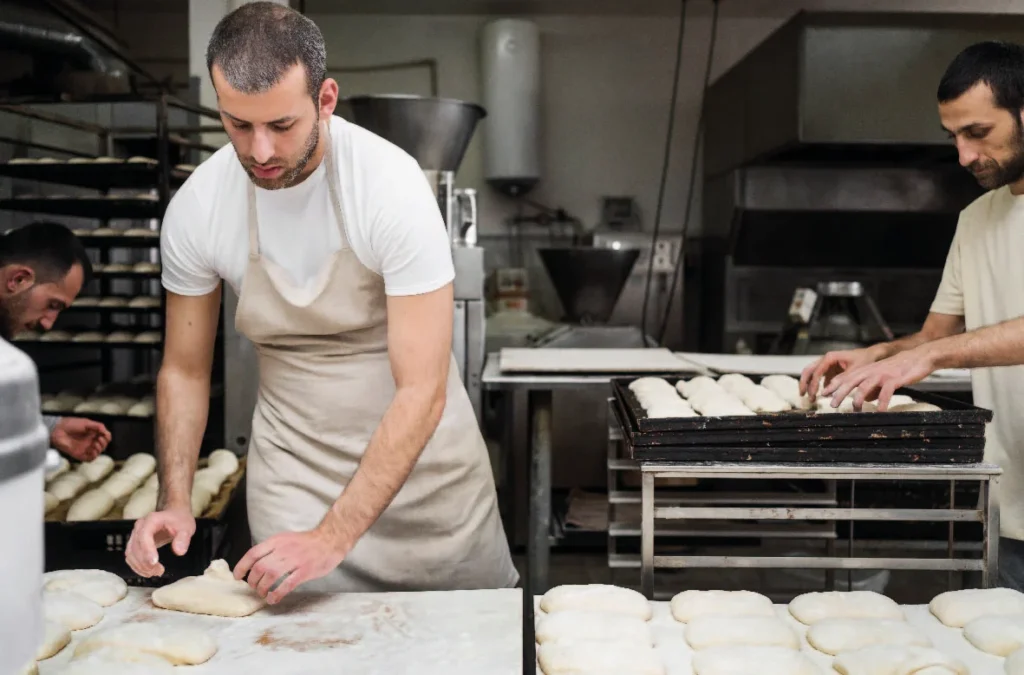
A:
<point x="983" y="281"/>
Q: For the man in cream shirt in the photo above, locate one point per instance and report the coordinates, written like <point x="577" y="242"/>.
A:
<point x="977" y="318"/>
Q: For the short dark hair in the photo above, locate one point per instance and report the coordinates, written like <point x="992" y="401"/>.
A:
<point x="255" y="44"/>
<point x="50" y="249"/>
<point x="1000" y="65"/>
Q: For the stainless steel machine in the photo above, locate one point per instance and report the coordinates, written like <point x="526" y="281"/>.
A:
<point x="436" y="132"/>
<point x="835" y="315"/>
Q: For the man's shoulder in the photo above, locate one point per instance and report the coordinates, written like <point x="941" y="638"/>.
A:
<point x="209" y="181"/>
<point x="368" y="150"/>
<point x="990" y="205"/>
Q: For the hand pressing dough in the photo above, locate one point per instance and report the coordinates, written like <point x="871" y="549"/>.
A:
<point x="747" y="660"/>
<point x="93" y="505"/>
<point x="177" y="645"/>
<point x="97" y="469"/>
<point x="811" y="608"/>
<point x="576" y="625"/>
<point x="958" y="608"/>
<point x="224" y="461"/>
<point x="216" y="593"/>
<point x="140" y="504"/>
<point x="56" y="637"/>
<point x="705" y="632"/>
<point x="835" y="636"/>
<point x="73" y="611"/>
<point x="596" y="598"/>
<point x="109" y="661"/>
<point x="689" y="605"/>
<point x="67" y="486"/>
<point x="140" y="464"/>
<point x="598" y="656"/>
<point x="103" y="588"/>
<point x="996" y="635"/>
<point x="893" y="660"/>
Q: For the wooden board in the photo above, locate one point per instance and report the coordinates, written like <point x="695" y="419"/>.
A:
<point x="653" y="360"/>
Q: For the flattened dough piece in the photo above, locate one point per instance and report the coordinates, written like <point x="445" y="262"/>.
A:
<point x="56" y="637"/>
<point x="108" y="661"/>
<point x="596" y="598"/>
<point x="893" y="660"/>
<point x="93" y="505"/>
<point x="811" y="608"/>
<point x="734" y="660"/>
<point x="576" y="625"/>
<point x="73" y="611"/>
<point x="958" y="608"/>
<point x="996" y="635"/>
<point x="216" y="592"/>
<point x="835" y="636"/>
<point x="179" y="645"/>
<point x="103" y="588"/>
<point x="688" y="605"/>
<point x="705" y="632"/>
<point x="598" y="657"/>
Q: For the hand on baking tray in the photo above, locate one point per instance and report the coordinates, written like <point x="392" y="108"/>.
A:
<point x="171" y="526"/>
<point x="880" y="380"/>
<point x="79" y="438"/>
<point x="825" y="369"/>
<point x="278" y="565"/>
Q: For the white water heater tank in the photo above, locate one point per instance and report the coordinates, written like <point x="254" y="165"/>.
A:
<point x="510" y="65"/>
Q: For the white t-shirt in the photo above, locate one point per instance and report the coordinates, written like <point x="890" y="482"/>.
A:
<point x="984" y="282"/>
<point x="392" y="221"/>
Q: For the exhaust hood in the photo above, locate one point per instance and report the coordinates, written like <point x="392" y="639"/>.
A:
<point x="842" y="89"/>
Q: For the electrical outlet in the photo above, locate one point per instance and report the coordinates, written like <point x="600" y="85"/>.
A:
<point x="663" y="263"/>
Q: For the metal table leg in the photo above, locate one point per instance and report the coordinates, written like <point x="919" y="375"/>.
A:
<point x="990" y="577"/>
<point x="647" y="535"/>
<point x="539" y="546"/>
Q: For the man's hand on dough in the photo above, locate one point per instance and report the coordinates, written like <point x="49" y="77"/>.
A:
<point x="283" y="562"/>
<point x="880" y="380"/>
<point x="156" y="530"/>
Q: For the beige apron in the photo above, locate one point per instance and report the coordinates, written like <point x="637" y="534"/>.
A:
<point x="325" y="382"/>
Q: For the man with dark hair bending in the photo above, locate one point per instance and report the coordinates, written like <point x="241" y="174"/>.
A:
<point x="43" y="267"/>
<point x="366" y="468"/>
<point x="977" y="317"/>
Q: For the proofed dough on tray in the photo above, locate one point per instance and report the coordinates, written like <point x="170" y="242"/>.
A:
<point x="176" y="644"/>
<point x="898" y="660"/>
<point x="576" y="657"/>
<point x="688" y="605"/>
<point x="56" y="637"/>
<point x="958" y="608"/>
<point x="835" y="636"/>
<point x="732" y="660"/>
<point x="596" y="598"/>
<point x="705" y="632"/>
<point x="996" y="635"/>
<point x="73" y="611"/>
<point x="103" y="588"/>
<point x="578" y="625"/>
<point x="810" y="608"/>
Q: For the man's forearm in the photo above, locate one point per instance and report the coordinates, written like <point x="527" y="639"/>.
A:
<point x="183" y="403"/>
<point x="1001" y="344"/>
<point x="884" y="350"/>
<point x="394" y="448"/>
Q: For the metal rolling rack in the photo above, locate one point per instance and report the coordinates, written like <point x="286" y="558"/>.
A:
<point x="158" y="178"/>
<point x="936" y="446"/>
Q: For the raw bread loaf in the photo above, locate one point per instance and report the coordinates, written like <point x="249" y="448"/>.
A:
<point x="109" y="661"/>
<point x="140" y="464"/>
<point x="63" y="466"/>
<point x="179" y="645"/>
<point x="734" y="382"/>
<point x="997" y="635"/>
<point x="93" y="505"/>
<point x="224" y="461"/>
<point x="55" y="336"/>
<point x="103" y="588"/>
<point x="576" y="625"/>
<point x="914" y="407"/>
<point x="789" y="389"/>
<point x="705" y="632"/>
<point x="153" y="482"/>
<point x="733" y="660"/>
<point x="90" y="406"/>
<point x="596" y="598"/>
<point x="710" y="401"/>
<point x="689" y="605"/>
<point x="142" y="409"/>
<point x="958" y="608"/>
<point x="898" y="660"/>
<point x="598" y="657"/>
<point x="120" y="336"/>
<point x="690" y="387"/>
<point x="56" y="637"/>
<point x="146" y="267"/>
<point x="762" y="400"/>
<point x="89" y="335"/>
<point x="726" y="407"/>
<point x="201" y="498"/>
<point x="112" y="408"/>
<point x="97" y="469"/>
<point x="144" y="302"/>
<point x="140" y="504"/>
<point x="73" y="611"/>
<point x="148" y="337"/>
<point x="118" y="267"/>
<point x="835" y="636"/>
<point x="51" y="502"/>
<point x="811" y="608"/>
<point x="67" y="486"/>
<point x="209" y="478"/>
<point x="670" y="409"/>
<point x="1015" y="663"/>
<point x="650" y="384"/>
<point x="216" y="592"/>
<point x="121" y="484"/>
<point x="142" y="160"/>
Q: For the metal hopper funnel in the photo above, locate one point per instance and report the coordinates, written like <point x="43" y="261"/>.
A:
<point x="435" y="131"/>
<point x="588" y="280"/>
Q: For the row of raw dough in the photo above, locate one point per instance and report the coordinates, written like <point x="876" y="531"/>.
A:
<point x="118" y="336"/>
<point x="138" y="302"/>
<point x="140" y="196"/>
<point x="100" y="403"/>
<point x="735" y="632"/>
<point x="734" y="394"/>
<point x="140" y="267"/>
<point x="115" y="232"/>
<point x="96" y="160"/>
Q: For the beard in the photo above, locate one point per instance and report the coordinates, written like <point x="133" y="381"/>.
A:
<point x="290" y="175"/>
<point x="10" y="309"/>
<point x="990" y="174"/>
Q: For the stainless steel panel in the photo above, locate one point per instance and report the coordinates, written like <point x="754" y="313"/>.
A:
<point x="476" y="330"/>
<point x="241" y="379"/>
<point x="459" y="337"/>
<point x="469" y="272"/>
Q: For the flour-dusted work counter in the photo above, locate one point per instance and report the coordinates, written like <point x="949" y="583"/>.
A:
<point x="442" y="633"/>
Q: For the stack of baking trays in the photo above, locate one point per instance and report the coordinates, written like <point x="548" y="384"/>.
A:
<point x="737" y="418"/>
<point x="91" y="510"/>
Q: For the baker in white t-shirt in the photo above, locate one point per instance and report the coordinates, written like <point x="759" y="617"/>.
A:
<point x="976" y="317"/>
<point x="366" y="468"/>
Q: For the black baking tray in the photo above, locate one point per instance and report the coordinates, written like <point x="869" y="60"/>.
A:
<point x="656" y="448"/>
<point x="86" y="207"/>
<point x="99" y="176"/>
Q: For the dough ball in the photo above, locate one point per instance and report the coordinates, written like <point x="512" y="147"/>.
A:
<point x="93" y="505"/>
<point x="56" y="637"/>
<point x="810" y="608"/>
<point x="706" y="632"/>
<point x="835" y="636"/>
<point x="55" y="336"/>
<point x="898" y="659"/>
<point x="210" y="479"/>
<point x="596" y="598"/>
<point x="67" y="486"/>
<point x="50" y="502"/>
<point x="744" y="660"/>
<point x="216" y="593"/>
<point x="734" y="382"/>
<point x="689" y="605"/>
<point x="690" y="387"/>
<point x="111" y="661"/>
<point x="103" y="588"/>
<point x="575" y="625"/>
<point x="201" y="498"/>
<point x="598" y="656"/>
<point x="97" y="469"/>
<point x="89" y="335"/>
<point x="762" y="400"/>
<point x="958" y="608"/>
<point x="176" y="644"/>
<point x="73" y="611"/>
<point x="914" y="407"/>
<point x="121" y="484"/>
<point x="140" y="504"/>
<point x="224" y="461"/>
<point x="140" y="464"/>
<point x="996" y="635"/>
<point x="142" y="409"/>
